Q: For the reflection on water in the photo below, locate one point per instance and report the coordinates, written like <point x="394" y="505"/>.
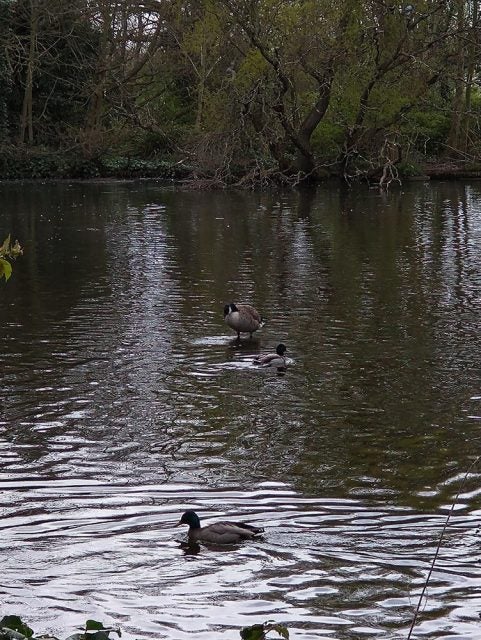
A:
<point x="126" y="400"/>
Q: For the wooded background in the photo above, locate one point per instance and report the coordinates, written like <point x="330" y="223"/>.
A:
<point x="243" y="90"/>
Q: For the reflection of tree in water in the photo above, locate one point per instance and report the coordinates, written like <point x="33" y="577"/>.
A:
<point x="373" y="295"/>
<point x="74" y="314"/>
<point x="57" y="235"/>
<point x="378" y="399"/>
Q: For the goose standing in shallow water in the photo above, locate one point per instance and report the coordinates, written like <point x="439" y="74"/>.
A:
<point x="243" y="318"/>
<point x="219" y="532"/>
<point x="276" y="359"/>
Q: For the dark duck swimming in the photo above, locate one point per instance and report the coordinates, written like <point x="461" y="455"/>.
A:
<point x="223" y="532"/>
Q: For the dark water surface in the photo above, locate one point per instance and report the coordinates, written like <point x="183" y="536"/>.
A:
<point x="124" y="401"/>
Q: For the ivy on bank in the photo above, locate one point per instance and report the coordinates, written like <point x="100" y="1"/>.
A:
<point x="46" y="164"/>
<point x="13" y="628"/>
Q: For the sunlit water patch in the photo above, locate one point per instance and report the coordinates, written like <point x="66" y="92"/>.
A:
<point x="321" y="566"/>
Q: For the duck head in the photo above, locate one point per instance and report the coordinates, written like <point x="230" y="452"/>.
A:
<point x="191" y="518"/>
<point x="281" y="349"/>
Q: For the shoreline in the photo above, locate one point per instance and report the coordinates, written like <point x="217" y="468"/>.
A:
<point x="171" y="172"/>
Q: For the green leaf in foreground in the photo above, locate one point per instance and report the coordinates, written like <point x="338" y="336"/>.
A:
<point x="8" y="252"/>
<point x="93" y="625"/>
<point x="15" y="624"/>
<point x="101" y="632"/>
<point x="260" y="631"/>
<point x="281" y="629"/>
<point x="254" y="632"/>
<point x="5" y="248"/>
<point x="95" y="630"/>
<point x="5" y="272"/>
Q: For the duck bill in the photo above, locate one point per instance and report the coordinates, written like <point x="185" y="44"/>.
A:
<point x="178" y="524"/>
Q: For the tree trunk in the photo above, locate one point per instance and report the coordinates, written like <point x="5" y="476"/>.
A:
<point x="470" y="72"/>
<point x="5" y="72"/>
<point x="458" y="106"/>
<point x="305" y="159"/>
<point x="200" y="89"/>
<point x="26" y="117"/>
<point x="96" y="102"/>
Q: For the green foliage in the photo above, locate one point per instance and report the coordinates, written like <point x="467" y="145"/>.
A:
<point x="229" y="85"/>
<point x="127" y="167"/>
<point x="14" y="623"/>
<point x="409" y="169"/>
<point x="5" y="269"/>
<point x="13" y="628"/>
<point x="260" y="631"/>
<point x="204" y="37"/>
<point x="428" y="128"/>
<point x="171" y="106"/>
<point x="19" y="164"/>
<point x="476" y="98"/>
<point x="95" y="630"/>
<point x="327" y="140"/>
<point x="475" y="167"/>
<point x="63" y="64"/>
<point x="252" y="68"/>
<point x="8" y="252"/>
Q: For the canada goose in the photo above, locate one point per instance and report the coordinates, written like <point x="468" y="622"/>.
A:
<point x="242" y="318"/>
<point x="276" y="359"/>
<point x="219" y="532"/>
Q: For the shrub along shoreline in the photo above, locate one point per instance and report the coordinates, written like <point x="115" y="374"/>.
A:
<point x="43" y="164"/>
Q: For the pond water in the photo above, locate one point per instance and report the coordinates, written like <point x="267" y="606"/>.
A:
<point x="125" y="399"/>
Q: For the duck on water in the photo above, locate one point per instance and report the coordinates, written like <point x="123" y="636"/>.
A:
<point x="223" y="532"/>
<point x="277" y="359"/>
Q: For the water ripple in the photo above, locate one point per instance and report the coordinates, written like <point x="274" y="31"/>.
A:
<point x="126" y="400"/>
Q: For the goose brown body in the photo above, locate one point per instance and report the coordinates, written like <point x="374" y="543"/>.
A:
<point x="243" y="318"/>
<point x="223" y="532"/>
